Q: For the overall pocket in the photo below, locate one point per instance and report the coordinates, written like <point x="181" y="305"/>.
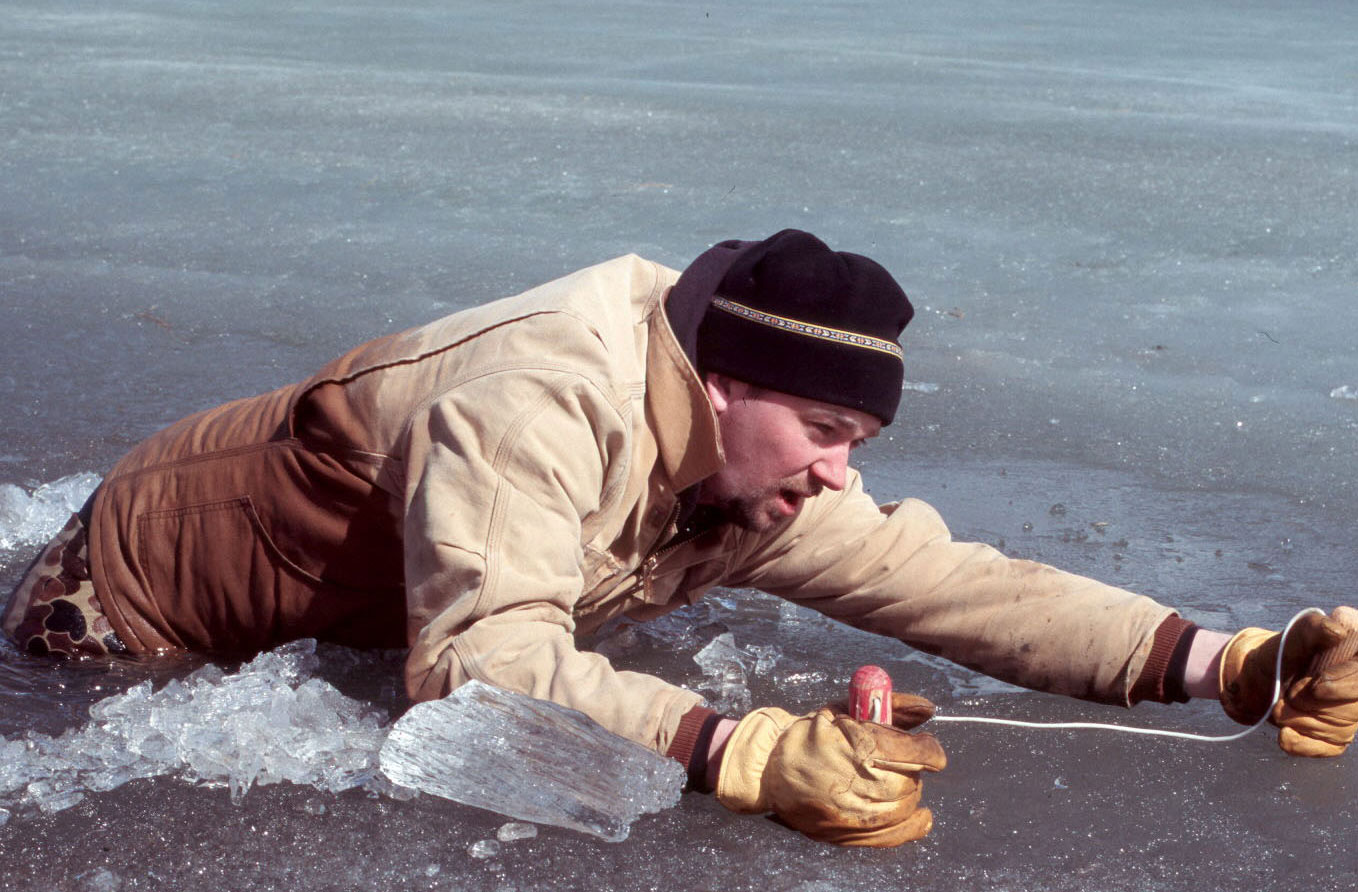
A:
<point x="219" y="579"/>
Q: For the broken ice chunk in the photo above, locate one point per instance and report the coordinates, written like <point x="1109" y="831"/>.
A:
<point x="725" y="678"/>
<point x="100" y="879"/>
<point x="766" y="656"/>
<point x="727" y="667"/>
<point x="514" y="831"/>
<point x="268" y="722"/>
<point x="528" y="759"/>
<point x="1346" y="392"/>
<point x="27" y="518"/>
<point x="52" y="797"/>
<point x="484" y="849"/>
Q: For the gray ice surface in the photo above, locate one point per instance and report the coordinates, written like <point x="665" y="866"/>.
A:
<point x="1129" y="231"/>
<point x="528" y="759"/>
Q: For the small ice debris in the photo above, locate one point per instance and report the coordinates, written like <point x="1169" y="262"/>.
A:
<point x="726" y="670"/>
<point x="1060" y="784"/>
<point x="100" y="879"/>
<point x="919" y="387"/>
<point x="514" y="831"/>
<point x="810" y="677"/>
<point x="484" y="849"/>
<point x="676" y="631"/>
<point x="32" y="517"/>
<point x="1346" y="392"/>
<point x="529" y="759"/>
<point x="54" y="796"/>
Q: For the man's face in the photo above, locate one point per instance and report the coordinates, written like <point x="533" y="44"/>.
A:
<point x="780" y="450"/>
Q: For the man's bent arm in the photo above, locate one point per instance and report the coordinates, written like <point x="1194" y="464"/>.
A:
<point x="505" y="473"/>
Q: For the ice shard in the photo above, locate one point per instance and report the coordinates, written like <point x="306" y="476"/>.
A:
<point x="529" y="759"/>
<point x="726" y="670"/>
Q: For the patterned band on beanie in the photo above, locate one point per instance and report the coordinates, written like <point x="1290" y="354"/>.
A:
<point x="810" y="329"/>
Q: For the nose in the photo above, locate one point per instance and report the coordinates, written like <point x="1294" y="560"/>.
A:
<point x="831" y="470"/>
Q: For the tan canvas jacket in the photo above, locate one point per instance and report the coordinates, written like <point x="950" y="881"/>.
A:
<point x="484" y="487"/>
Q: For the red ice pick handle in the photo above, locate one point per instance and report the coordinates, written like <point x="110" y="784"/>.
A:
<point x="870" y="695"/>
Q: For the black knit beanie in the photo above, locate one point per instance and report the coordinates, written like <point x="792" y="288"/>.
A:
<point x="794" y="316"/>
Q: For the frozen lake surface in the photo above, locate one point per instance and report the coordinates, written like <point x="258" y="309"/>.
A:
<point x="1129" y="231"/>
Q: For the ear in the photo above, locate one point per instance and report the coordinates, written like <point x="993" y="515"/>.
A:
<point x="720" y="390"/>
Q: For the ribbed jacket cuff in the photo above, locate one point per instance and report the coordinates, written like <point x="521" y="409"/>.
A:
<point x="690" y="744"/>
<point x="1162" y="678"/>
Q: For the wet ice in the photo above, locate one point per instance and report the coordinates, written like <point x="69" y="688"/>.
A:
<point x="203" y="201"/>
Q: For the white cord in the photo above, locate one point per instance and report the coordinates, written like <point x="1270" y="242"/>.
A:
<point x="1182" y="735"/>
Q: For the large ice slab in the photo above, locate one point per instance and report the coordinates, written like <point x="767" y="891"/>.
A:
<point x="529" y="759"/>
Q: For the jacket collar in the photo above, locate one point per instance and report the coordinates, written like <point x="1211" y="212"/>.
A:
<point x="677" y="408"/>
<point x="679" y="411"/>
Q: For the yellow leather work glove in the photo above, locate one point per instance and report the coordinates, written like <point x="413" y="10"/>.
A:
<point x="1318" y="714"/>
<point x="834" y="778"/>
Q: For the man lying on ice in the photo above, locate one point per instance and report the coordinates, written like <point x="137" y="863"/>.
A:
<point x="617" y="442"/>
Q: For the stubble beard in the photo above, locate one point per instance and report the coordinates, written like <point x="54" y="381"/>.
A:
<point x="760" y="511"/>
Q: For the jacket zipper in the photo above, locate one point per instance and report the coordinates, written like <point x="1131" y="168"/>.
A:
<point x="653" y="559"/>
